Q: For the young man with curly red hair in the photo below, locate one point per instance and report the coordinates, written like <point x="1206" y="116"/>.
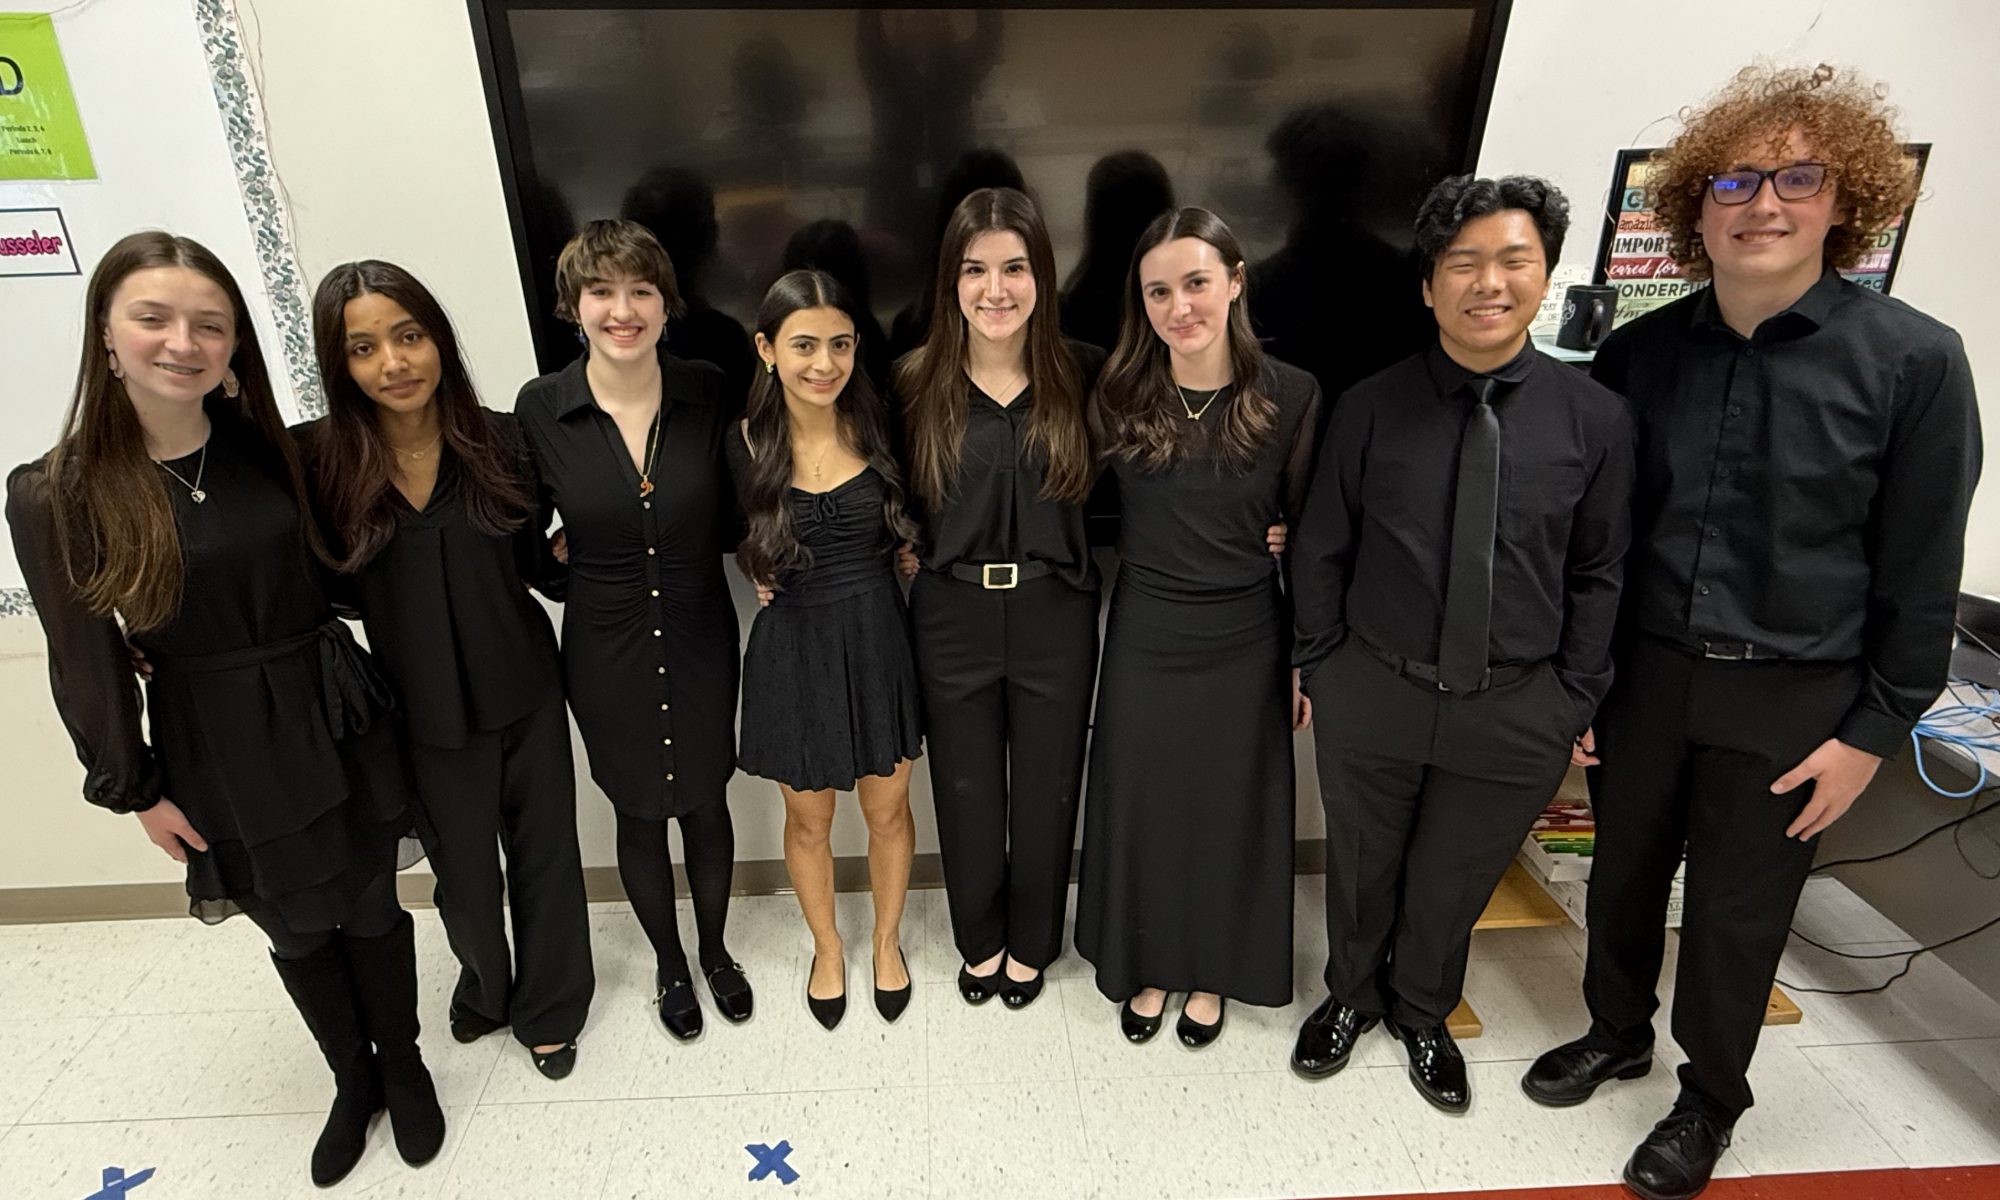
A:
<point x="1807" y="453"/>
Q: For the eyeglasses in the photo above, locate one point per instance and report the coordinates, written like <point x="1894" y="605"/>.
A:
<point x="1800" y="181"/>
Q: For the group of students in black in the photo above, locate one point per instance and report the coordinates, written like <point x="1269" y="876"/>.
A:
<point x="1434" y="575"/>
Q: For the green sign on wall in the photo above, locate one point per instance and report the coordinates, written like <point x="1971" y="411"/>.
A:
<point x="41" y="133"/>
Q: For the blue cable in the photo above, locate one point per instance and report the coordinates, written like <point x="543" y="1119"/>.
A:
<point x="1968" y="728"/>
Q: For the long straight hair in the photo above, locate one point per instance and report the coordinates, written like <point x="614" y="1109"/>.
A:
<point x="931" y="379"/>
<point x="772" y="546"/>
<point x="1142" y="417"/>
<point x="116" y="534"/>
<point x="354" y="467"/>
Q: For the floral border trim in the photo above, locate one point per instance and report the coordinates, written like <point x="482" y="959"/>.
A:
<point x="243" y="124"/>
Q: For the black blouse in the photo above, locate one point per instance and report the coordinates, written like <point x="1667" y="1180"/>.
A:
<point x="447" y="608"/>
<point x="996" y="511"/>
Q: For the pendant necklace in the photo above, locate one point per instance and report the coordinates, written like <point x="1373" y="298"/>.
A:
<point x="652" y="456"/>
<point x="1193" y="413"/>
<point x="195" y="492"/>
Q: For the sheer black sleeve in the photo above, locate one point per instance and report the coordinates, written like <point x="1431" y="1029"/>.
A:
<point x="90" y="669"/>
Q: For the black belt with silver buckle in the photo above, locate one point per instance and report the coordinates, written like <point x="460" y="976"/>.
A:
<point x="1725" y="651"/>
<point x="999" y="577"/>
<point x="1428" y="673"/>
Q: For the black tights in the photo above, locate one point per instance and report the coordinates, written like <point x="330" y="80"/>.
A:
<point x="646" y="867"/>
<point x="374" y="913"/>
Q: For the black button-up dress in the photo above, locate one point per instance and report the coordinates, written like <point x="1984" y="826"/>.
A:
<point x="649" y="632"/>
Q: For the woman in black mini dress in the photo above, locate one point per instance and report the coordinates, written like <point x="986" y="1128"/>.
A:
<point x="628" y="439"/>
<point x="829" y="686"/>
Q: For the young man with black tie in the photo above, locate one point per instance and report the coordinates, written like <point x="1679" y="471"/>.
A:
<point x="1807" y="450"/>
<point x="1455" y="586"/>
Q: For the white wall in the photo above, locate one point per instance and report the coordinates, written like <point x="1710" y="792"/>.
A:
<point x="379" y="131"/>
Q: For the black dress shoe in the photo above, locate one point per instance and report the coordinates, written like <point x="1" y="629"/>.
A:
<point x="892" y="1003"/>
<point x="1016" y="993"/>
<point x="977" y="989"/>
<point x="468" y="1026"/>
<point x="827" y="1012"/>
<point x="1676" y="1159"/>
<point x="1327" y="1039"/>
<point x="557" y="1063"/>
<point x="1568" y="1074"/>
<point x="730" y="989"/>
<point x="1195" y="1035"/>
<point x="679" y="1011"/>
<point x="1436" y="1067"/>
<point x="1139" y="1030"/>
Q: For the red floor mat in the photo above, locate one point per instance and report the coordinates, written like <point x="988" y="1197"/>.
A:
<point x="1931" y="1183"/>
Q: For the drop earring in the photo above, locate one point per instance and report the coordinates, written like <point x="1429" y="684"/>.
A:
<point x="770" y="368"/>
<point x="111" y="358"/>
<point x="230" y="387"/>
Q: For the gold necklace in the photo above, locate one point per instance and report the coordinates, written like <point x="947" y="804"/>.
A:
<point x="1194" y="414"/>
<point x="418" y="455"/>
<point x="652" y="455"/>
<point x="194" y="489"/>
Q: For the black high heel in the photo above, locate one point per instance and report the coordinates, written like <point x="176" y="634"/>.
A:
<point x="892" y="1003"/>
<point x="1139" y="1030"/>
<point x="977" y="989"/>
<point x="827" y="1012"/>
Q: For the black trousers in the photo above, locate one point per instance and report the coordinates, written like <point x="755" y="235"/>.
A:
<point x="1007" y="678"/>
<point x="1690" y="748"/>
<point x="1428" y="795"/>
<point x="512" y="789"/>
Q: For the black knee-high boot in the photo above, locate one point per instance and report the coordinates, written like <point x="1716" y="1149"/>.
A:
<point x="385" y="980"/>
<point x="323" y="992"/>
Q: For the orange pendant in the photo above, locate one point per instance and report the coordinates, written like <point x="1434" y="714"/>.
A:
<point x="645" y="487"/>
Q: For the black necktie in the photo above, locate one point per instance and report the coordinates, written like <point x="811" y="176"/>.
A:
<point x="1468" y="591"/>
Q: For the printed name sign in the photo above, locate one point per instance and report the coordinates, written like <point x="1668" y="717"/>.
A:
<point x="35" y="241"/>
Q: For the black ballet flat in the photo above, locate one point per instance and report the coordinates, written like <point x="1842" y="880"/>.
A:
<point x="679" y="1011"/>
<point x="468" y="1027"/>
<point x="1195" y="1035"/>
<point x="557" y="1063"/>
<point x="1139" y="1030"/>
<point x="730" y="989"/>
<point x="1017" y="994"/>
<point x="892" y="1003"/>
<point x="976" y="989"/>
<point x="827" y="1012"/>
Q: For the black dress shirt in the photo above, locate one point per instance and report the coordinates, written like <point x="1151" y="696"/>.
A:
<point x="996" y="511"/>
<point x="1373" y="548"/>
<point x="1803" y="491"/>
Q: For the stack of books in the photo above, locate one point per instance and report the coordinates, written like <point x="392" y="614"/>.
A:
<point x="1559" y="847"/>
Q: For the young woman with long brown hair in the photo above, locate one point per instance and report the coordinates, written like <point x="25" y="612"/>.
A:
<point x="628" y="440"/>
<point x="1186" y="882"/>
<point x="431" y="508"/>
<point x="829" y="685"/>
<point x="174" y="504"/>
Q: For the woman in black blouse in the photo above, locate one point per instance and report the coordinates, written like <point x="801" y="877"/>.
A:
<point x="430" y="506"/>
<point x="174" y="504"/>
<point x="829" y="688"/>
<point x="1186" y="883"/>
<point x="628" y="439"/>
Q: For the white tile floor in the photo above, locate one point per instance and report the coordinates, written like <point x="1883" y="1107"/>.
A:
<point x="168" y="1045"/>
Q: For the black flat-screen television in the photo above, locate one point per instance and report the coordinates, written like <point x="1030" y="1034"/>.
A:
<point x="756" y="136"/>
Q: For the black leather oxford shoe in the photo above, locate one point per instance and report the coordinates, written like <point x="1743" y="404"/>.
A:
<point x="1436" y="1067"/>
<point x="1327" y="1039"/>
<point x="1676" y="1159"/>
<point x="1569" y="1074"/>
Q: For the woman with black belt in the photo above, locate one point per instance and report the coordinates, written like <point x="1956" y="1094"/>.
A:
<point x="430" y="507"/>
<point x="829" y="687"/>
<point x="1186" y="882"/>
<point x="175" y="504"/>
<point x="628" y="439"/>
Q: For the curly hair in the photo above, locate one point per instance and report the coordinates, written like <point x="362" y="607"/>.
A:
<point x="1461" y="199"/>
<point x="1841" y="115"/>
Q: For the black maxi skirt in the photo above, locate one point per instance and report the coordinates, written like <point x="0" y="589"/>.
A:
<point x="1186" y="881"/>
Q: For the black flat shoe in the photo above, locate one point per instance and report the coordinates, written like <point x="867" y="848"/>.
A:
<point x="977" y="989"/>
<point x="729" y="987"/>
<point x="827" y="1012"/>
<point x="892" y="1003"/>
<point x="1139" y="1030"/>
<point x="1677" y="1158"/>
<point x="1568" y="1075"/>
<point x="1195" y="1035"/>
<point x="468" y="1027"/>
<point x="679" y="1011"/>
<point x="1437" y="1069"/>
<point x="557" y="1063"/>
<point x="1327" y="1039"/>
<point x="1015" y="993"/>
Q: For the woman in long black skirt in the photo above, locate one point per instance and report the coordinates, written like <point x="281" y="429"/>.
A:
<point x="1187" y="847"/>
<point x="829" y="685"/>
<point x="628" y="440"/>
<point x="430" y="504"/>
<point x="174" y="504"/>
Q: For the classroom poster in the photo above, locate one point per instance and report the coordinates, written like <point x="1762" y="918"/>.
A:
<point x="41" y="132"/>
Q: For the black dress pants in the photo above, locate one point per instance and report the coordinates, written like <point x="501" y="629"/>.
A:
<point x="1007" y="677"/>
<point x="1428" y="795"/>
<point x="512" y="789"/>
<point x="1690" y="748"/>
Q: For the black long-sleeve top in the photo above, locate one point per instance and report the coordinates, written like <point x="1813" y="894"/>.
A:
<point x="1804" y="490"/>
<point x="447" y="608"/>
<point x="1373" y="550"/>
<point x="996" y="511"/>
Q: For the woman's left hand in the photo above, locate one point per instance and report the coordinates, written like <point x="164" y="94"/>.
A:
<point x="1274" y="539"/>
<point x="907" y="564"/>
<point x="559" y="546"/>
<point x="1302" y="705"/>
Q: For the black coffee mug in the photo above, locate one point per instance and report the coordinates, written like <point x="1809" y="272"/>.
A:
<point x="1586" y="317"/>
